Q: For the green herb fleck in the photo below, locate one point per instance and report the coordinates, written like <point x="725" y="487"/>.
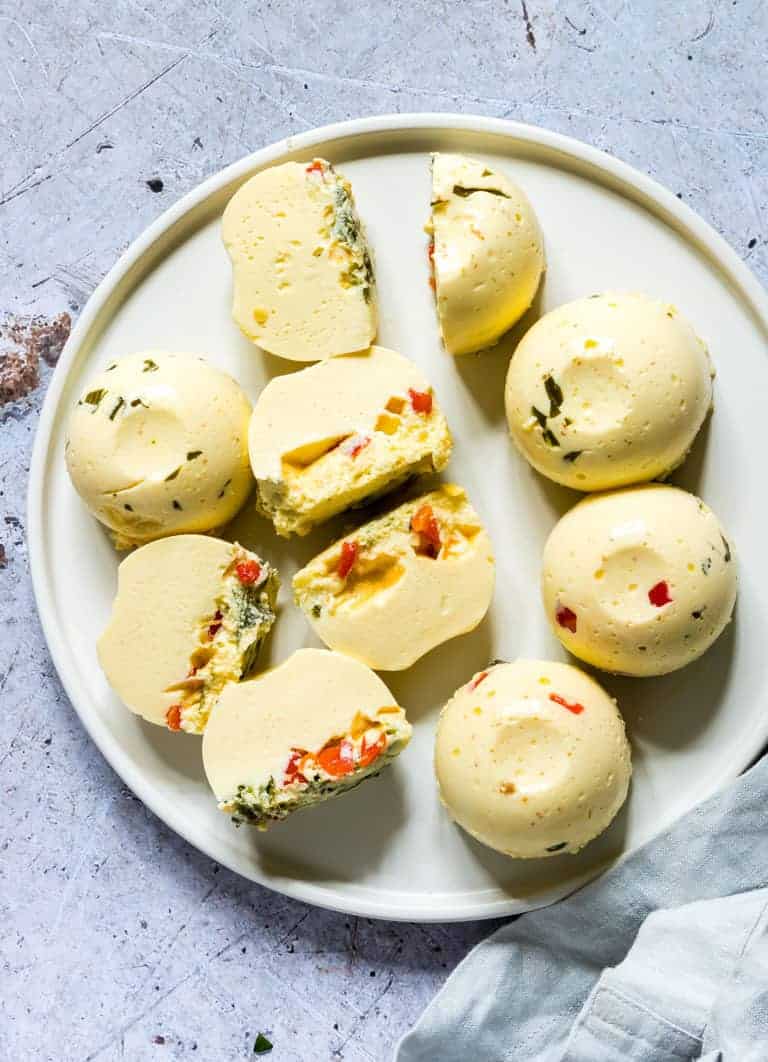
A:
<point x="706" y="565"/>
<point x="262" y="1045"/>
<point x="486" y="173"/>
<point x="94" y="397"/>
<point x="128" y="507"/>
<point x="138" y="402"/>
<point x="572" y="455"/>
<point x="150" y="366"/>
<point x="698" y="613"/>
<point x="727" y="555"/>
<point x="540" y="417"/>
<point x="554" y="394"/>
<point x="223" y="490"/>
<point x="176" y="504"/>
<point x="173" y="475"/>
<point x="109" y="368"/>
<point x="316" y="611"/>
<point x="193" y="454"/>
<point x="550" y="438"/>
<point x="464" y="192"/>
<point x="118" y="406"/>
<point x="557" y="847"/>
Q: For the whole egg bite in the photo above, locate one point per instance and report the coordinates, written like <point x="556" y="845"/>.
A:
<point x="158" y="445"/>
<point x="532" y="758"/>
<point x="486" y="250"/>
<point x="190" y="615"/>
<point x="326" y="438"/>
<point x="301" y="266"/>
<point x="639" y="581"/>
<point x="311" y="729"/>
<point x="608" y="390"/>
<point x="403" y="583"/>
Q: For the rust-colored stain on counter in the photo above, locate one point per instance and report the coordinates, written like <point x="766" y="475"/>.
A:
<point x="23" y="341"/>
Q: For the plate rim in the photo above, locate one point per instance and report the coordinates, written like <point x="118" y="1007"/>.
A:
<point x="649" y="192"/>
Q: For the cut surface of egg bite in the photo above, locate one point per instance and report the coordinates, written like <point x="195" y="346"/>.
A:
<point x="190" y="615"/>
<point x="532" y="758"/>
<point x="639" y="581"/>
<point x="486" y="252"/>
<point x="314" y="727"/>
<point x="302" y="272"/>
<point x="157" y="444"/>
<point x="328" y="437"/>
<point x="607" y="391"/>
<point x="402" y="583"/>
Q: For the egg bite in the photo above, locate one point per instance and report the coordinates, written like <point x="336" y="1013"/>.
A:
<point x="314" y="727"/>
<point x="607" y="391"/>
<point x="486" y="252"/>
<point x="190" y="616"/>
<point x="639" y="581"/>
<point x="403" y="583"/>
<point x="330" y="436"/>
<point x="301" y="266"/>
<point x="157" y="445"/>
<point x="532" y="758"/>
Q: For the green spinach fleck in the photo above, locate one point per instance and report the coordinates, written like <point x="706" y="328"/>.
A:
<point x="706" y="565"/>
<point x="118" y="406"/>
<point x="94" y="397"/>
<point x="150" y="366"/>
<point x="726" y="544"/>
<point x="177" y="504"/>
<point x="173" y="475"/>
<point x="572" y="455"/>
<point x="540" y="417"/>
<point x="460" y="190"/>
<point x="554" y="394"/>
<point x="261" y="1045"/>
<point x="550" y="438"/>
<point x="193" y="454"/>
<point x="223" y="490"/>
<point x="138" y="402"/>
<point x="558" y="847"/>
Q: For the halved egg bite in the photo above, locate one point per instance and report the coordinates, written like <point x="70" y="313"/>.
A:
<point x="403" y="583"/>
<point x="301" y="266"/>
<point x="190" y="615"/>
<point x="486" y="252"/>
<point x="328" y="437"/>
<point x="306" y="731"/>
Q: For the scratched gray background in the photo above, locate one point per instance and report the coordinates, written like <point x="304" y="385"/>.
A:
<point x="118" y="940"/>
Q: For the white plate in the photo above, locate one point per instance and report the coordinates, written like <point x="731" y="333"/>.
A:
<point x="389" y="850"/>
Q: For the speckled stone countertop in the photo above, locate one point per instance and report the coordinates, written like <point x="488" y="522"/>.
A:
<point x="118" y="940"/>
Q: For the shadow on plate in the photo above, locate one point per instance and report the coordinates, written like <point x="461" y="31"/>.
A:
<point x="673" y="709"/>
<point x="485" y="373"/>
<point x="521" y="878"/>
<point x="349" y="833"/>
<point x="436" y="677"/>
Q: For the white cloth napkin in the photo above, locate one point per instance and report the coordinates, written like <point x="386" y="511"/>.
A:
<point x="664" y="957"/>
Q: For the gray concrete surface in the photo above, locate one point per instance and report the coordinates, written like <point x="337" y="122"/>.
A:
<point x="117" y="940"/>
